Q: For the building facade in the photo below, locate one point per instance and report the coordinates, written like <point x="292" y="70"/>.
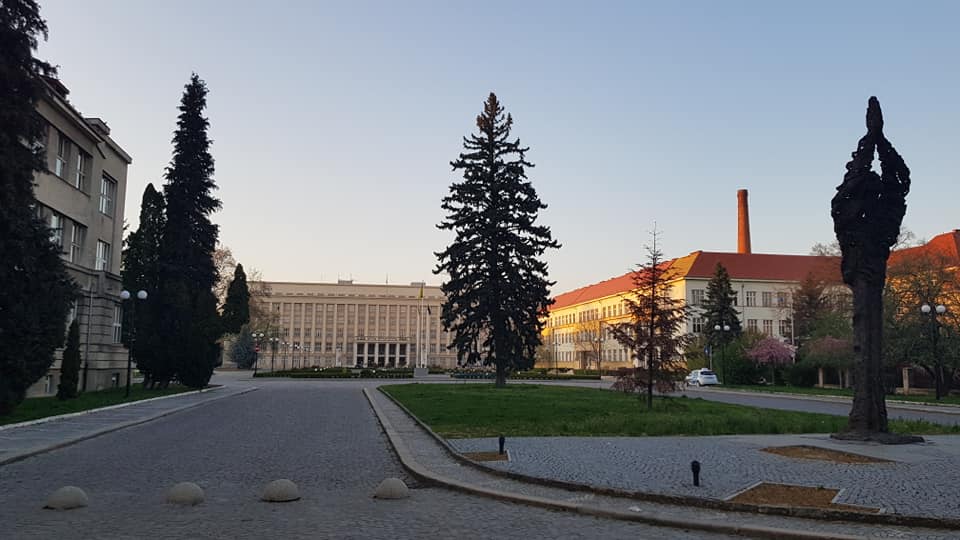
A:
<point x="763" y="286"/>
<point x="80" y="196"/>
<point x="352" y="325"/>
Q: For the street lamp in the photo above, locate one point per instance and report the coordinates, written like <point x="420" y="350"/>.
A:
<point x="257" y="338"/>
<point x="723" y="347"/>
<point x="273" y="351"/>
<point x="125" y="295"/>
<point x="339" y="350"/>
<point x="940" y="309"/>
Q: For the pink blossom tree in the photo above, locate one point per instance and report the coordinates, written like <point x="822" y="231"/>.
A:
<point x="773" y="352"/>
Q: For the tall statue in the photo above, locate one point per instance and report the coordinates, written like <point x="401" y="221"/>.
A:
<point x="867" y="211"/>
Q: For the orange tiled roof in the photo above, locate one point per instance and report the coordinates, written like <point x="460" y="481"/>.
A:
<point x="946" y="245"/>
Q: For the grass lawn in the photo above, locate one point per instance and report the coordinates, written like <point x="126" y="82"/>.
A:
<point x="481" y="410"/>
<point x="844" y="392"/>
<point x="34" y="408"/>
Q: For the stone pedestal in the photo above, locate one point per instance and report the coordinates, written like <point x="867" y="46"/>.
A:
<point x="420" y="372"/>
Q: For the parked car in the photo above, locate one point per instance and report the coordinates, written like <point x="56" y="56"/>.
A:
<point x="702" y="377"/>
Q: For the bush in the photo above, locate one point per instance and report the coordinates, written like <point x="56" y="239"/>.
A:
<point x="70" y="365"/>
<point x="801" y="374"/>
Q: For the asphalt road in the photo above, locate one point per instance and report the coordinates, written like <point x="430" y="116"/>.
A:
<point x="322" y="435"/>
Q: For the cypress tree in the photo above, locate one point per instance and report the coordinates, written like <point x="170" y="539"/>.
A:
<point x="497" y="291"/>
<point x="141" y="271"/>
<point x="236" y="308"/>
<point x="36" y="290"/>
<point x="70" y="365"/>
<point x="188" y="318"/>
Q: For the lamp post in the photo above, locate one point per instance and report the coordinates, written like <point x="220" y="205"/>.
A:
<point x="273" y="351"/>
<point x="339" y="350"/>
<point x="933" y="312"/>
<point x="257" y="339"/>
<point x="125" y="295"/>
<point x="723" y="347"/>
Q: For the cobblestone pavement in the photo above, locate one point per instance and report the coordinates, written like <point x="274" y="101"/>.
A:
<point x="321" y="435"/>
<point x="922" y="481"/>
<point x="434" y="457"/>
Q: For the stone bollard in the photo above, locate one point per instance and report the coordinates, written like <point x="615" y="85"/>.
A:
<point x="392" y="488"/>
<point x="185" y="493"/>
<point x="281" y="490"/>
<point x="67" y="498"/>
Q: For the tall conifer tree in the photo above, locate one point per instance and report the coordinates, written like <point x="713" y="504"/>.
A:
<point x="497" y="289"/>
<point x="141" y="271"/>
<point x="36" y="290"/>
<point x="719" y="310"/>
<point x="236" y="308"/>
<point x="189" y="322"/>
<point x="70" y="365"/>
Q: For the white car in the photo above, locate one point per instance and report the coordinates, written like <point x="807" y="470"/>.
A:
<point x="702" y="377"/>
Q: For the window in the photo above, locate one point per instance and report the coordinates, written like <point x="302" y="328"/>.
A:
<point x="767" y="299"/>
<point x="752" y="325"/>
<point x="108" y="193"/>
<point x="63" y="153"/>
<point x="768" y="327"/>
<point x="785" y="328"/>
<point x="117" y="323"/>
<point x="103" y="256"/>
<point x="698" y="325"/>
<point x="77" y="234"/>
<point x="751" y="298"/>
<point x="80" y="175"/>
<point x="696" y="297"/>
<point x="56" y="229"/>
<point x="781" y="299"/>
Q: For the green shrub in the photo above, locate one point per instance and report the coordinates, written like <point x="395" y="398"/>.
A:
<point x="801" y="374"/>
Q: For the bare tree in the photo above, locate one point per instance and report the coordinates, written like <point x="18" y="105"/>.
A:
<point x="585" y="340"/>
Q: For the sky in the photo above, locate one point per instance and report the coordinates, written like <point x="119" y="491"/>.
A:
<point x="334" y="123"/>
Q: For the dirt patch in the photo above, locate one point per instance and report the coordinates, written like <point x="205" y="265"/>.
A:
<point x="802" y="496"/>
<point x="486" y="456"/>
<point x="822" y="454"/>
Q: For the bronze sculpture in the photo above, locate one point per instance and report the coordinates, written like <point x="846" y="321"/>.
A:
<point x="867" y="211"/>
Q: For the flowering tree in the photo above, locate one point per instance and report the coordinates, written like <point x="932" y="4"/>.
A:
<point x="771" y="351"/>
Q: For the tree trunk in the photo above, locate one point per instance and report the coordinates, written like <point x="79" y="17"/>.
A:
<point x="501" y="375"/>
<point x="869" y="412"/>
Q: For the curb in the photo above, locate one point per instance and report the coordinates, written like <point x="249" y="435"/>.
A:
<point x="697" y="502"/>
<point x="116" y="427"/>
<point x="944" y="408"/>
<point x="46" y="419"/>
<point x="650" y="518"/>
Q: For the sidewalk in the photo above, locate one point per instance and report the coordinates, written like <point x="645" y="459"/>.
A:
<point x="431" y="461"/>
<point x="20" y="442"/>
<point x="942" y="408"/>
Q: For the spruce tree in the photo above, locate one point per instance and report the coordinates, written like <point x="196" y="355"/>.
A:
<point x="236" y="308"/>
<point x="653" y="332"/>
<point x="141" y="271"/>
<point x="70" y="365"/>
<point x="718" y="309"/>
<point x="497" y="291"/>
<point x="188" y="319"/>
<point x="36" y="291"/>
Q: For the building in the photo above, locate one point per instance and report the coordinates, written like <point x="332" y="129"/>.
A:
<point x="354" y="325"/>
<point x="80" y="196"/>
<point x="762" y="283"/>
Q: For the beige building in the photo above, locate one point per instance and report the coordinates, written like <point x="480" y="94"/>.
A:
<point x="348" y="324"/>
<point x="80" y="196"/>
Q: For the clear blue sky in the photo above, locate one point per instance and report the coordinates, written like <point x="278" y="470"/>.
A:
<point x="334" y="123"/>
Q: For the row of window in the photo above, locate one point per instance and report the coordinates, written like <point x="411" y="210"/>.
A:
<point x="59" y="225"/>
<point x="608" y="355"/>
<point x="698" y="296"/>
<point x="614" y="310"/>
<point x="72" y="165"/>
<point x="784" y="327"/>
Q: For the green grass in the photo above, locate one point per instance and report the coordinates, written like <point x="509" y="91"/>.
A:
<point x="843" y="392"/>
<point x="481" y="410"/>
<point x="42" y="407"/>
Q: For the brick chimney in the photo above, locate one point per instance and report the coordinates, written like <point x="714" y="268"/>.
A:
<point x="743" y="222"/>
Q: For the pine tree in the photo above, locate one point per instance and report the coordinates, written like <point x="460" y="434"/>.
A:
<point x="497" y="291"/>
<point x="236" y="309"/>
<point x="70" y="365"/>
<point x="141" y="271"/>
<point x="36" y="291"/>
<point x="653" y="333"/>
<point x="718" y="309"/>
<point x="188" y="319"/>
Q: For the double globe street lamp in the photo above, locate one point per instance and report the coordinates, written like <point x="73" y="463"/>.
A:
<point x="125" y="295"/>
<point x="933" y="312"/>
<point x="723" y="348"/>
